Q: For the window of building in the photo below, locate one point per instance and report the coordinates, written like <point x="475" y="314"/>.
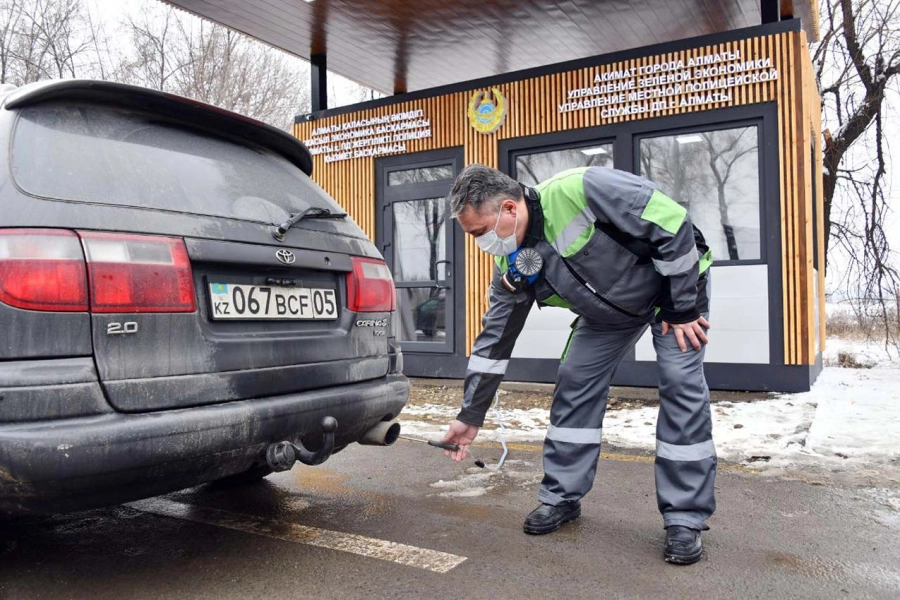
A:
<point x="715" y="175"/>
<point x="420" y="175"/>
<point x="420" y="237"/>
<point x="534" y="167"/>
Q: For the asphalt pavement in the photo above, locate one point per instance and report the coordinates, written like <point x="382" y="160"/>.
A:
<point x="404" y="522"/>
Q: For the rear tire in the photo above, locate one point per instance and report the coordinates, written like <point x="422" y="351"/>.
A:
<point x="252" y="475"/>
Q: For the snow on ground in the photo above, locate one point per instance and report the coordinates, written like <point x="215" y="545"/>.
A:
<point x="862" y="353"/>
<point x="477" y="482"/>
<point x="851" y="416"/>
<point x="849" y="420"/>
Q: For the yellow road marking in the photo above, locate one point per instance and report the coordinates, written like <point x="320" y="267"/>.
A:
<point x="620" y="457"/>
<point x="411" y="556"/>
<point x="536" y="447"/>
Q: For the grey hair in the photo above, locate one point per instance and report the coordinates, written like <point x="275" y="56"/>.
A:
<point x="478" y="186"/>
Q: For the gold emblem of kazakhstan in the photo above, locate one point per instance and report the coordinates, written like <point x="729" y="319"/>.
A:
<point x="487" y="116"/>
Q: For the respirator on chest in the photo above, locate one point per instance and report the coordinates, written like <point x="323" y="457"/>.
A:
<point x="524" y="266"/>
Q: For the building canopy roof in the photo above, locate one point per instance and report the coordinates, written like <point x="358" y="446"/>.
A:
<point x="397" y="46"/>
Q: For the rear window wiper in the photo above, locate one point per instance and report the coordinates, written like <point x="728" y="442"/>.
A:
<point x="313" y="212"/>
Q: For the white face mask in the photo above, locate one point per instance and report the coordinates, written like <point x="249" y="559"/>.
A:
<point x="491" y="243"/>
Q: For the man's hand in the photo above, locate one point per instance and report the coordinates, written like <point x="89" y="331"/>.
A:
<point x="695" y="331"/>
<point x="462" y="434"/>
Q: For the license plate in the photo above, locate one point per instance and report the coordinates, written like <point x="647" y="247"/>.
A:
<point x="238" y="301"/>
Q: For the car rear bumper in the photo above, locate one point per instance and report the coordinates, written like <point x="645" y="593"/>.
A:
<point x="78" y="463"/>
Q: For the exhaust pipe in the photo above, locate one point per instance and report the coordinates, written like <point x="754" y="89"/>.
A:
<point x="383" y="434"/>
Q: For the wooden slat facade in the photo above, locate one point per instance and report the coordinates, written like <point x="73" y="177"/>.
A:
<point x="533" y="110"/>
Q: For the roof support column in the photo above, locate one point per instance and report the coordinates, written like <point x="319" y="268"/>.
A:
<point x="319" y="87"/>
<point x="770" y="11"/>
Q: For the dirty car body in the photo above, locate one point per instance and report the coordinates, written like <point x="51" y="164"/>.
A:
<point x="154" y="333"/>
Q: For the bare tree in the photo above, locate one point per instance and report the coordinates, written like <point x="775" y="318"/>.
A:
<point x="152" y="61"/>
<point x="722" y="157"/>
<point x="180" y="54"/>
<point x="168" y="50"/>
<point x="421" y="227"/>
<point x="433" y="213"/>
<point x="857" y="62"/>
<point x="713" y="174"/>
<point x="679" y="173"/>
<point x="342" y="92"/>
<point x="10" y="15"/>
<point x="46" y="39"/>
<point x="534" y="168"/>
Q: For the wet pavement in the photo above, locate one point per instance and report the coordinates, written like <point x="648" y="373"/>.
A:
<point x="403" y="522"/>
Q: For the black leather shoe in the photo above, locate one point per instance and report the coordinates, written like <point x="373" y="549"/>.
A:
<point x="546" y="517"/>
<point x="683" y="545"/>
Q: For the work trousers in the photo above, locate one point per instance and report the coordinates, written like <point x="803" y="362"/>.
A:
<point x="685" y="464"/>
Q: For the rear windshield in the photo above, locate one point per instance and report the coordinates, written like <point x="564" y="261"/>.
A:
<point x="114" y="156"/>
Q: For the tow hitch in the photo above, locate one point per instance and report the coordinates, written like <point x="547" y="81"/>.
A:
<point x="281" y="456"/>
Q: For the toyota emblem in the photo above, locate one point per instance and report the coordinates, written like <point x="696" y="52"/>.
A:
<point x="286" y="256"/>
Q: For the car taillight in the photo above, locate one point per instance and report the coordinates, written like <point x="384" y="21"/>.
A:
<point x="42" y="269"/>
<point x="370" y="287"/>
<point x="138" y="273"/>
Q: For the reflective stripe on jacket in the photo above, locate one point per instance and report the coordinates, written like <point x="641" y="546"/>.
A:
<point x="616" y="251"/>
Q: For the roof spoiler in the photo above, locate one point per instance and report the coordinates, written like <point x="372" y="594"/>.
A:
<point x="189" y="112"/>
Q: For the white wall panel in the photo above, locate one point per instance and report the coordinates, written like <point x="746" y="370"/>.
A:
<point x="749" y="347"/>
<point x="739" y="316"/>
<point x="545" y="334"/>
